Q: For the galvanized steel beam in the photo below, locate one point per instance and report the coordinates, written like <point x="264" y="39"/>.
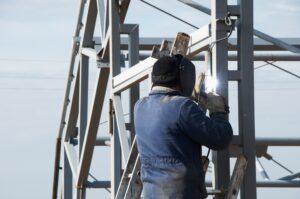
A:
<point x="114" y="59"/>
<point x="279" y="184"/>
<point x="219" y="69"/>
<point x="102" y="141"/>
<point x="98" y="184"/>
<point x="270" y="141"/>
<point x="278" y="141"/>
<point x="246" y="96"/>
<point x="233" y="57"/>
<point x="147" y="43"/>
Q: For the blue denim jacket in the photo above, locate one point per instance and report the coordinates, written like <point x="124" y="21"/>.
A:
<point x="170" y="131"/>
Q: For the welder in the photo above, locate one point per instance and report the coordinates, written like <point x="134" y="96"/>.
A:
<point x="171" y="130"/>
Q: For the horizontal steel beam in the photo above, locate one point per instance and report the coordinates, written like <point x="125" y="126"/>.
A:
<point x="270" y="141"/>
<point x="278" y="141"/>
<point x="234" y="57"/>
<point x="90" y="52"/>
<point x="102" y="141"/>
<point x="98" y="184"/>
<point x="147" y="43"/>
<point x="263" y="45"/>
<point x="279" y="183"/>
<point x="277" y="42"/>
<point x="271" y="183"/>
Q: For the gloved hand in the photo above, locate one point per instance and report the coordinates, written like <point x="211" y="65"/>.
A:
<point x="216" y="103"/>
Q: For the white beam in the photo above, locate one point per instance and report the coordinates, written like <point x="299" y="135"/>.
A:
<point x="133" y="75"/>
<point x="90" y="52"/>
<point x="121" y="127"/>
<point x="92" y="126"/>
<point x="72" y="157"/>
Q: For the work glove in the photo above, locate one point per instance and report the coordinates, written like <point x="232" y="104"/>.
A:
<point x="216" y="104"/>
<point x="199" y="94"/>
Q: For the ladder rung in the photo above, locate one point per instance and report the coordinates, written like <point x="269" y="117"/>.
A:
<point x="215" y="192"/>
<point x="98" y="184"/>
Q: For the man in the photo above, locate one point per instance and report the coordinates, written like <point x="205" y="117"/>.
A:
<point x="170" y="131"/>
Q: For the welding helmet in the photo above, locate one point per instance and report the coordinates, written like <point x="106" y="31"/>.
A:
<point x="175" y="70"/>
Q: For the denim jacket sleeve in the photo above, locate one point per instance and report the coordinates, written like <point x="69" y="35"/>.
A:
<point x="214" y="132"/>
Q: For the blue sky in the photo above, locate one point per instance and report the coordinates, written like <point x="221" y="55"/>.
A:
<point x="35" y="48"/>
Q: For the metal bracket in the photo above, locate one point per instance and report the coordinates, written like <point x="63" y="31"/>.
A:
<point x="111" y="113"/>
<point x="76" y="43"/>
<point x="226" y="23"/>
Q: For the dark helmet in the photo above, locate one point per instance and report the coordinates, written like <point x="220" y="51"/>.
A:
<point x="174" y="70"/>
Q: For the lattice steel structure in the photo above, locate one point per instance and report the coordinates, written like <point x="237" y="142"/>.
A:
<point x="79" y="127"/>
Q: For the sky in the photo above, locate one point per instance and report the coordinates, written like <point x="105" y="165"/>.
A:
<point x="35" y="49"/>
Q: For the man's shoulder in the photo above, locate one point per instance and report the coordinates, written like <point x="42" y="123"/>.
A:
<point x="175" y="98"/>
<point x="141" y="100"/>
<point x="186" y="101"/>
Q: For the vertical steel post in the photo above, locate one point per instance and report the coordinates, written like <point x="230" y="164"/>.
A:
<point x="114" y="60"/>
<point x="220" y="72"/>
<point x="67" y="178"/>
<point x="134" y="95"/>
<point x="83" y="99"/>
<point x="246" y="95"/>
<point x="83" y="109"/>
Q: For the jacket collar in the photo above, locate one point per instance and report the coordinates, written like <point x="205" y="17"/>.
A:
<point x="164" y="90"/>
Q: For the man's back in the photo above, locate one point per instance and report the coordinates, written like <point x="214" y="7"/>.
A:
<point x="170" y="131"/>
